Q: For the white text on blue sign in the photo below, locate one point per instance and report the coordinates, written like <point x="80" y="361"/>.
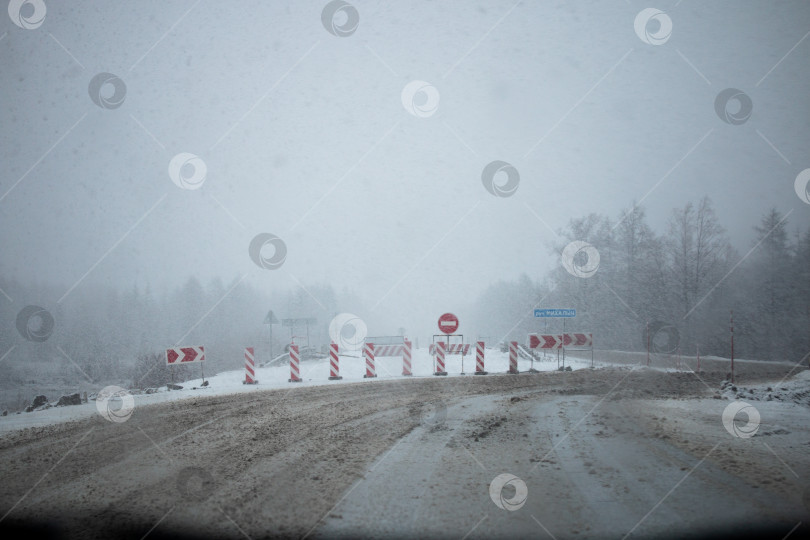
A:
<point x="555" y="313"/>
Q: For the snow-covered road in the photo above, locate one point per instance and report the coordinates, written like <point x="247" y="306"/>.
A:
<point x="640" y="468"/>
<point x="602" y="453"/>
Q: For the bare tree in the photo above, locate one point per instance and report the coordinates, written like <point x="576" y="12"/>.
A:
<point x="699" y="255"/>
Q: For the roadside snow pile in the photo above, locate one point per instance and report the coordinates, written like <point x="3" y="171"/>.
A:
<point x="41" y="403"/>
<point x="794" y="390"/>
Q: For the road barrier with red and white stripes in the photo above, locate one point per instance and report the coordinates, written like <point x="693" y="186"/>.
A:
<point x="368" y="354"/>
<point x="334" y="366"/>
<point x="479" y="358"/>
<point x="406" y="358"/>
<point x="295" y="361"/>
<point x="387" y="350"/>
<point x="438" y="353"/>
<point x="454" y="348"/>
<point x="400" y="349"/>
<point x="250" y="368"/>
<point x="513" y="357"/>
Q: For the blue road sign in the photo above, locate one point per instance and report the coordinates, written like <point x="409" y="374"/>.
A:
<point x="555" y="313"/>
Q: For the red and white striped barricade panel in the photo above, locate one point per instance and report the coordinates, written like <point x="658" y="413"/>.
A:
<point x="406" y="358"/>
<point x="479" y="358"/>
<point x="250" y="369"/>
<point x="439" y="353"/>
<point x="403" y="350"/>
<point x="184" y="355"/>
<point x="368" y="354"/>
<point x="454" y="348"/>
<point x="388" y="350"/>
<point x="334" y="365"/>
<point x="513" y="357"/>
<point x="295" y="361"/>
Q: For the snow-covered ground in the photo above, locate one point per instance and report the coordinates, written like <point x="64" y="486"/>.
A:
<point x="313" y="373"/>
<point x="352" y="369"/>
<point x="667" y="361"/>
<point x="794" y="390"/>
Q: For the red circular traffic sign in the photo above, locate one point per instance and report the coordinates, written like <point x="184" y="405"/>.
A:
<point x="448" y="323"/>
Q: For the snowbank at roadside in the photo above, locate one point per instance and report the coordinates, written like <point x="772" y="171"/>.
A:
<point x="794" y="390"/>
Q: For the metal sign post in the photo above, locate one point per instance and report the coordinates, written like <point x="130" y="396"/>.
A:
<point x="270" y="320"/>
<point x="448" y="323"/>
<point x="557" y="313"/>
<point x="185" y="355"/>
<point x="295" y="323"/>
<point x="459" y="348"/>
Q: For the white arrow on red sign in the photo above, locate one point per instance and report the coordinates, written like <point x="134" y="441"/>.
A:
<point x="577" y="340"/>
<point x="184" y="355"/>
<point x="545" y="341"/>
<point x="582" y="340"/>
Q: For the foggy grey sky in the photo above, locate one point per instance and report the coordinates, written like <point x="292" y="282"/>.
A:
<point x="304" y="135"/>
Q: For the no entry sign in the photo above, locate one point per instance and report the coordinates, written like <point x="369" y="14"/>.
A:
<point x="448" y="323"/>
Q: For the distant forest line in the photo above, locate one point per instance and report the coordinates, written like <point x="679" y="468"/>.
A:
<point x="686" y="278"/>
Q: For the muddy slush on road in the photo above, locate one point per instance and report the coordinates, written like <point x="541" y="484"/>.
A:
<point x="618" y="452"/>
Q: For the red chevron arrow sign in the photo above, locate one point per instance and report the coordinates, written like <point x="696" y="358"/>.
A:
<point x="184" y="355"/>
<point x="558" y="341"/>
<point x="545" y="341"/>
<point x="580" y="340"/>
